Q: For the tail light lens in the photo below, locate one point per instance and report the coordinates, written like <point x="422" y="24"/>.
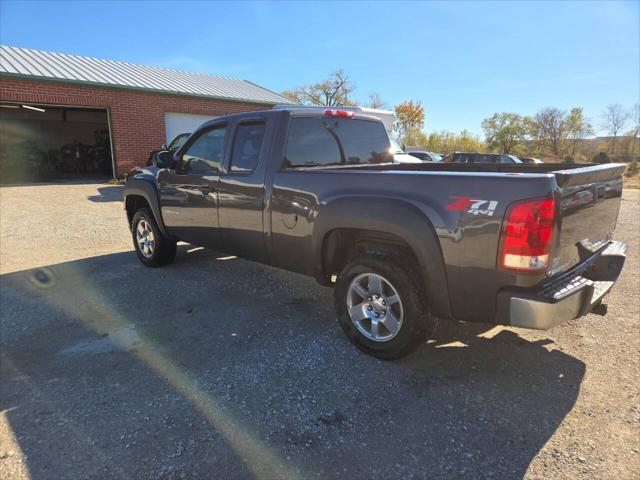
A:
<point x="527" y="235"/>
<point x="339" y="113"/>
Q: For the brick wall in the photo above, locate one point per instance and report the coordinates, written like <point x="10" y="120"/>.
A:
<point x="137" y="118"/>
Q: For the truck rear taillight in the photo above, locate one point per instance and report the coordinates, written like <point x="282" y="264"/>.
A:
<point x="527" y="234"/>
<point x="329" y="112"/>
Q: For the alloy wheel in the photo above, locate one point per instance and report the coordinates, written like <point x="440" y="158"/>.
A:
<point x="375" y="307"/>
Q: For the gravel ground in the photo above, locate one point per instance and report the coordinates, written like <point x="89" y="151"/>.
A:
<point x="220" y="367"/>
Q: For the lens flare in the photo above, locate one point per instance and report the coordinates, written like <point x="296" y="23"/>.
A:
<point x="64" y="285"/>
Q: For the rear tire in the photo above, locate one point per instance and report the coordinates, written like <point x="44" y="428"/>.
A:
<point x="389" y="317"/>
<point x="152" y="247"/>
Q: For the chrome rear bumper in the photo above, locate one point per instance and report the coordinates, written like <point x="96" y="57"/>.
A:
<point x="566" y="298"/>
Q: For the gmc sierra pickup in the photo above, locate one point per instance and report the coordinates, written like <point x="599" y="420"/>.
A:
<point x="317" y="192"/>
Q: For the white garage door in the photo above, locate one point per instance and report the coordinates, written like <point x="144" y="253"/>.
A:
<point x="177" y="123"/>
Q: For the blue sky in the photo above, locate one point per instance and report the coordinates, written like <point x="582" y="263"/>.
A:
<point x="462" y="60"/>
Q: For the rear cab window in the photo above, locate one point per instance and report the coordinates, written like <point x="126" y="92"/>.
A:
<point x="326" y="141"/>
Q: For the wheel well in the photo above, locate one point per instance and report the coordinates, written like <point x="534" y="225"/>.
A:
<point x="341" y="245"/>
<point x="133" y="203"/>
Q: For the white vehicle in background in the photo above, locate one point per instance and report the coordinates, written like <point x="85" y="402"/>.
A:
<point x="531" y="160"/>
<point x="386" y="116"/>
<point x="423" y="155"/>
<point x="399" y="155"/>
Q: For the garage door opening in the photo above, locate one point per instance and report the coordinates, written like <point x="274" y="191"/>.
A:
<point x="180" y="123"/>
<point x="40" y="142"/>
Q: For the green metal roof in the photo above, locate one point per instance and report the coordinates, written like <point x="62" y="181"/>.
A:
<point x="41" y="65"/>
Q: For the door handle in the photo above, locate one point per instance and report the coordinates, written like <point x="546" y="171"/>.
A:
<point x="300" y="207"/>
<point x="207" y="190"/>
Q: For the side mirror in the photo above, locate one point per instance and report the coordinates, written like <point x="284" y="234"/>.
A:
<point x="164" y="147"/>
<point x="165" y="160"/>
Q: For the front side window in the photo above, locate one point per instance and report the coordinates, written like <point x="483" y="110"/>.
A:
<point x="247" y="146"/>
<point x="178" y="142"/>
<point x="204" y="155"/>
<point x="323" y="141"/>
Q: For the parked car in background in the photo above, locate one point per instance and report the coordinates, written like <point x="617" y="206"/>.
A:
<point x="176" y="143"/>
<point x="424" y="155"/>
<point x="399" y="155"/>
<point x="472" y="157"/>
<point x="319" y="193"/>
<point x="531" y="160"/>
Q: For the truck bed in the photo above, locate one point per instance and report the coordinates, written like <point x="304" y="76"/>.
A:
<point x="562" y="171"/>
<point x="588" y="196"/>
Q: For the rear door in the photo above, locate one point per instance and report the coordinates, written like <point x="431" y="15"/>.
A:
<point x="189" y="194"/>
<point x="241" y="191"/>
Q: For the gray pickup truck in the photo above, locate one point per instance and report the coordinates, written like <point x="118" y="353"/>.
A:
<point x="318" y="193"/>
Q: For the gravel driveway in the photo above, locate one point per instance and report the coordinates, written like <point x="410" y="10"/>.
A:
<point x="215" y="367"/>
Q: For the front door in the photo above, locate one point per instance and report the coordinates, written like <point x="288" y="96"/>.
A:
<point x="189" y="195"/>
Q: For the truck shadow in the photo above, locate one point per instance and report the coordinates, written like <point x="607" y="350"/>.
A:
<point x="113" y="370"/>
<point x="111" y="193"/>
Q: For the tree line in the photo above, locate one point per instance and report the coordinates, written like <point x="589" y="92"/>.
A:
<point x="550" y="133"/>
<point x="564" y="134"/>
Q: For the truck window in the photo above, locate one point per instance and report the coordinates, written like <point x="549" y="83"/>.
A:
<point x="178" y="142"/>
<point x="204" y="155"/>
<point x="318" y="141"/>
<point x="247" y="146"/>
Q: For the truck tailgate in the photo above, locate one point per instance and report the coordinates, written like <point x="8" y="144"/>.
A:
<point x="589" y="210"/>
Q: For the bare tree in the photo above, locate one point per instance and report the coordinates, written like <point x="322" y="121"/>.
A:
<point x="293" y="95"/>
<point x="614" y="118"/>
<point x="375" y="101"/>
<point x="332" y="91"/>
<point x="548" y="129"/>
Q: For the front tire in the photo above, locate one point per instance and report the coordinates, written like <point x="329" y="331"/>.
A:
<point x="381" y="307"/>
<point x="152" y="248"/>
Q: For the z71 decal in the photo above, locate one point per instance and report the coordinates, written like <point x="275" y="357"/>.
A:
<point x="474" y="206"/>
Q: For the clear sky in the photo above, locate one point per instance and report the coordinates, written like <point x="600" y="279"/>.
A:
<point x="463" y="60"/>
